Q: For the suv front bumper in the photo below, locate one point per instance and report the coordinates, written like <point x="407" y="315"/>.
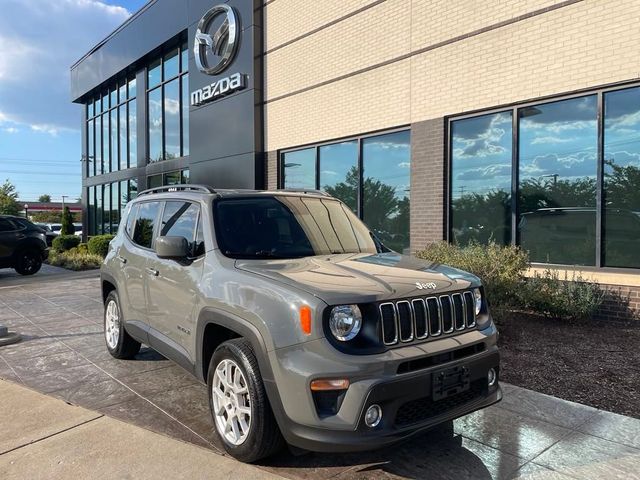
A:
<point x="406" y="400"/>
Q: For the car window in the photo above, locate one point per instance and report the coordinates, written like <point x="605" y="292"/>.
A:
<point x="6" y="225"/>
<point x="180" y="220"/>
<point x="131" y="220"/>
<point x="146" y="219"/>
<point x="198" y="248"/>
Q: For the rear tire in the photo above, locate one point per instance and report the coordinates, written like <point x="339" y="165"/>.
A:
<point x="119" y="343"/>
<point x="234" y="374"/>
<point x="28" y="262"/>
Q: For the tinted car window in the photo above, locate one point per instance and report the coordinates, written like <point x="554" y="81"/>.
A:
<point x="146" y="219"/>
<point x="6" y="225"/>
<point x="289" y="227"/>
<point x="131" y="220"/>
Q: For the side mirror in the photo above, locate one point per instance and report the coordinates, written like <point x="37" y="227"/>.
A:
<point x="172" y="247"/>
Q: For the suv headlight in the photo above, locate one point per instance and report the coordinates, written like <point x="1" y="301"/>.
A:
<point x="345" y="322"/>
<point x="477" y="296"/>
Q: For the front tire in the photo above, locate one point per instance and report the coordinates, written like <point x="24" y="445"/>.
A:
<point x="239" y="405"/>
<point x="28" y="262"/>
<point x="119" y="343"/>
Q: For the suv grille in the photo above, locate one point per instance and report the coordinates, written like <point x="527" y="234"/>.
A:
<point x="425" y="408"/>
<point x="420" y="318"/>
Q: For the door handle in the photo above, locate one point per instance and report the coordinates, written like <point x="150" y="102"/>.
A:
<point x="122" y="259"/>
<point x="152" y="271"/>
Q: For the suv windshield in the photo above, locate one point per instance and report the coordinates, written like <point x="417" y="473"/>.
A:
<point x="288" y="227"/>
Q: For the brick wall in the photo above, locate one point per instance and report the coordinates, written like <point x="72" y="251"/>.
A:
<point x="271" y="174"/>
<point x="427" y="183"/>
<point x="620" y="303"/>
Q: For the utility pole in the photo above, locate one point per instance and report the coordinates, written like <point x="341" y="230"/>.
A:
<point x="63" y="197"/>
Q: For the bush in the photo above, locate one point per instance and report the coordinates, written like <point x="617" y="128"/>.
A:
<point x="570" y="298"/>
<point x="501" y="268"/>
<point x="67" y="222"/>
<point x="74" y="260"/>
<point x="99" y="245"/>
<point x="82" y="248"/>
<point x="62" y="243"/>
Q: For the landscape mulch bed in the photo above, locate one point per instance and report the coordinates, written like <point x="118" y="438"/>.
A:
<point x="592" y="362"/>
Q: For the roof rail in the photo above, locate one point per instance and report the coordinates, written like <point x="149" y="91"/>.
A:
<point x="305" y="190"/>
<point x="176" y="188"/>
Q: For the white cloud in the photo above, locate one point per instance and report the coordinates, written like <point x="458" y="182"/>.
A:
<point x="404" y="164"/>
<point x="39" y="42"/>
<point x="551" y="139"/>
<point x="10" y="130"/>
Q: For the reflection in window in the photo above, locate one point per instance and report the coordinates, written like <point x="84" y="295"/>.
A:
<point x="185" y="114"/>
<point x="99" y="210"/>
<point x="155" y="125"/>
<point x="106" y="208"/>
<point x="133" y="188"/>
<point x="133" y="135"/>
<point x="481" y="179"/>
<point x="171" y="64"/>
<point x="339" y="171"/>
<point x="115" y="208"/>
<point x="145" y="221"/>
<point x="299" y="168"/>
<point x="621" y="220"/>
<point x="386" y="185"/>
<point x="106" y="165"/>
<point x="114" y="140"/>
<point x="172" y="119"/>
<point x="185" y="176"/>
<point x="91" y="210"/>
<point x="132" y="88"/>
<point x="154" y="74"/>
<point x="557" y="190"/>
<point x="179" y="220"/>
<point x="172" y="178"/>
<point x="154" y="181"/>
<point x="122" y="114"/>
<point x="124" y="195"/>
<point x="98" y="167"/>
<point x="91" y="154"/>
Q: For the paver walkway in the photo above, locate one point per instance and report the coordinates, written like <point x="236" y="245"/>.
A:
<point x="527" y="435"/>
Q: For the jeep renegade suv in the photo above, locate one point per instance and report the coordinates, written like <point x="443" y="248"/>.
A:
<point x="303" y="326"/>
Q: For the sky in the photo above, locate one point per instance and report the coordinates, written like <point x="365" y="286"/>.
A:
<point x="39" y="126"/>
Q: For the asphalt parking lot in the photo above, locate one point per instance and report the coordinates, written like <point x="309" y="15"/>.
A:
<point x="528" y="435"/>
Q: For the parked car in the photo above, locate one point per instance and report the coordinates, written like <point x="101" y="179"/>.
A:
<point x="22" y="245"/>
<point x="305" y="328"/>
<point x="77" y="229"/>
<point x="48" y="232"/>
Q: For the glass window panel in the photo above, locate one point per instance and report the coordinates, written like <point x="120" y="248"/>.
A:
<point x="184" y="54"/>
<point x="299" y="168"/>
<point x="171" y="64"/>
<point x="114" y="140"/>
<point x="105" y="144"/>
<point x="145" y="221"/>
<point x="133" y="188"/>
<point x="99" y="210"/>
<point x="97" y="106"/>
<point x="557" y="191"/>
<point x="90" y="111"/>
<point x="91" y="154"/>
<point x="105" y="102"/>
<point x="179" y="220"/>
<point x="122" y="91"/>
<point x="387" y="165"/>
<point x="172" y="178"/>
<point x="621" y="220"/>
<point x="106" y="208"/>
<point x="124" y="195"/>
<point x="91" y="211"/>
<point x="122" y="135"/>
<point x="98" y="160"/>
<point x="172" y="119"/>
<point x="185" y="114"/>
<point x="115" y="208"/>
<point x="155" y="125"/>
<point x="113" y="96"/>
<point x="154" y="181"/>
<point x="131" y="220"/>
<point x="154" y="74"/>
<point x="481" y="179"/>
<point x="133" y="135"/>
<point x="131" y="87"/>
<point x="339" y="171"/>
<point x="185" y="176"/>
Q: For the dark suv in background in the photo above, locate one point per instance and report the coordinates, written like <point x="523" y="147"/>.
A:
<point x="23" y="245"/>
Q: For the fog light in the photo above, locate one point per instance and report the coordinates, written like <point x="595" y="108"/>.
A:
<point x="492" y="377"/>
<point x="373" y="416"/>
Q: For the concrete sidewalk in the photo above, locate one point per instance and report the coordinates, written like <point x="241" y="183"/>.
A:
<point x="43" y="437"/>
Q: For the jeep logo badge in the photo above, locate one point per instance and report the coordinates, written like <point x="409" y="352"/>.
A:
<point x="222" y="45"/>
<point x="426" y="286"/>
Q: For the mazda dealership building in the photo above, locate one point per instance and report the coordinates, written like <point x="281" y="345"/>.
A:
<point x="514" y="121"/>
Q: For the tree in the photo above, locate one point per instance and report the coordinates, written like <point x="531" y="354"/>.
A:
<point x="46" y="198"/>
<point x="9" y="199"/>
<point x="67" y="223"/>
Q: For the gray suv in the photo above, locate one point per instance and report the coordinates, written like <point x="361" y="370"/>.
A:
<point x="304" y="327"/>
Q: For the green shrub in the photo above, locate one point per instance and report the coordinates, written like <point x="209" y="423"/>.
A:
<point x="67" y="222"/>
<point x="99" y="245"/>
<point x="501" y="268"/>
<point x="570" y="298"/>
<point x="62" y="243"/>
<point x="74" y="260"/>
<point x="82" y="248"/>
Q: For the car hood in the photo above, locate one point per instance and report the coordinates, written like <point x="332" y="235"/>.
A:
<point x="362" y="278"/>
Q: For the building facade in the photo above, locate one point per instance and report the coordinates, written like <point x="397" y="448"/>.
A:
<point x="511" y="121"/>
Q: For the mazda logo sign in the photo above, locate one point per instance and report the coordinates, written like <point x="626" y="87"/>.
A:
<point x="214" y="52"/>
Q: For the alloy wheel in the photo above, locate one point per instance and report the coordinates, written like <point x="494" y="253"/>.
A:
<point x="231" y="402"/>
<point x="112" y="324"/>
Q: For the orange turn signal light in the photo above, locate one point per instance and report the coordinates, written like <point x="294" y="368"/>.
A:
<point x="305" y="319"/>
<point x="334" y="384"/>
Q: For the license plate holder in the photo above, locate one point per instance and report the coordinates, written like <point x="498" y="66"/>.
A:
<point x="448" y="382"/>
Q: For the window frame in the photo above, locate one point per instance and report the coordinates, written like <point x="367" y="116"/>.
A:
<point x="514" y="108"/>
<point x="154" y="234"/>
